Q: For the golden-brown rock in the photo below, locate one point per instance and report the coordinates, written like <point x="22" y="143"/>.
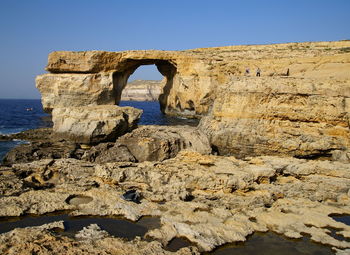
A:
<point x="266" y="115"/>
<point x="299" y="106"/>
<point x="94" y="124"/>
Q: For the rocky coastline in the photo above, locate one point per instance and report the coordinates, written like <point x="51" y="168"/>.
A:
<point x="142" y="90"/>
<point x="270" y="153"/>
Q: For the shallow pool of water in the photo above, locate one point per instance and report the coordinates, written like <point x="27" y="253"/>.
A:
<point x="342" y="218"/>
<point x="273" y="244"/>
<point x="177" y="243"/>
<point x="117" y="227"/>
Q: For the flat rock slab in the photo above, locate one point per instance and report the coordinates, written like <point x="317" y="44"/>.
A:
<point x="94" y="124"/>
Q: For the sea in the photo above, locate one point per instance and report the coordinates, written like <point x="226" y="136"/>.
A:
<point x="17" y="115"/>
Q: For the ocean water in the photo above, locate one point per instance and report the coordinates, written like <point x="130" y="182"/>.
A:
<point x="153" y="116"/>
<point x="17" y="115"/>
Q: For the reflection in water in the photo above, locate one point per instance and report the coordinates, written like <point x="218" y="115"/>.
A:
<point x="117" y="227"/>
<point x="273" y="244"/>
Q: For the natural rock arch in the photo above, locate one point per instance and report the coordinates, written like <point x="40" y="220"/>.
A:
<point x="166" y="68"/>
<point x="306" y="113"/>
<point x="98" y="78"/>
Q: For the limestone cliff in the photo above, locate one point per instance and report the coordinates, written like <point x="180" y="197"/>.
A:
<point x="142" y="90"/>
<point x="299" y="106"/>
<point x="269" y="115"/>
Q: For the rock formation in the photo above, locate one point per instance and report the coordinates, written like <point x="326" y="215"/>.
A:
<point x="94" y="124"/>
<point x="150" y="143"/>
<point x="305" y="114"/>
<point x="211" y="200"/>
<point x="290" y="116"/>
<point x="142" y="90"/>
<point x="271" y="153"/>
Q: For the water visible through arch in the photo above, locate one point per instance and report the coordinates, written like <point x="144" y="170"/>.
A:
<point x="153" y="111"/>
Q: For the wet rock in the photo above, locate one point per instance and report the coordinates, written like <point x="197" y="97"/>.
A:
<point x="230" y="198"/>
<point x="91" y="232"/>
<point x="91" y="240"/>
<point x="132" y="195"/>
<point x="94" y="124"/>
<point x="42" y="150"/>
<point x="39" y="134"/>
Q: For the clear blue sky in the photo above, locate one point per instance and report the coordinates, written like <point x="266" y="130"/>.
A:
<point x="30" y="29"/>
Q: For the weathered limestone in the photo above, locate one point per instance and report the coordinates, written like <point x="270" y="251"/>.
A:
<point x="192" y="76"/>
<point x="69" y="90"/>
<point x="157" y="143"/>
<point x="94" y="124"/>
<point x="305" y="114"/>
<point x="150" y="143"/>
<point x="265" y="115"/>
<point x="43" y="240"/>
<point x="208" y="199"/>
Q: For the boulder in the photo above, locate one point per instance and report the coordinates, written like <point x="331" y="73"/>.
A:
<point x="108" y="152"/>
<point x="157" y="143"/>
<point x="150" y="143"/>
<point x="94" y="124"/>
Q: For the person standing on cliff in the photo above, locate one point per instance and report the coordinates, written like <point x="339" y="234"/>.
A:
<point x="258" y="71"/>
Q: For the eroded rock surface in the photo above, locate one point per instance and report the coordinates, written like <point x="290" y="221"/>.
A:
<point x="94" y="124"/>
<point x="298" y="107"/>
<point x="156" y="143"/>
<point x="288" y="116"/>
<point x="42" y="240"/>
<point x="150" y="143"/>
<point x="211" y="200"/>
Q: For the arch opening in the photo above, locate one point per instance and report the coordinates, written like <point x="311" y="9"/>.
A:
<point x="165" y="68"/>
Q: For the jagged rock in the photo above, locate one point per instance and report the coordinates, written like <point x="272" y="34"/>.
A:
<point x="342" y="156"/>
<point x="10" y="184"/>
<point x="211" y="200"/>
<point x="94" y="124"/>
<point x="36" y="135"/>
<point x="34" y="240"/>
<point x="42" y="150"/>
<point x="91" y="232"/>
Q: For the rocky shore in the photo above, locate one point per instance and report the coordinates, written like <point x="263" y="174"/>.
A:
<point x="270" y="154"/>
<point x="211" y="200"/>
